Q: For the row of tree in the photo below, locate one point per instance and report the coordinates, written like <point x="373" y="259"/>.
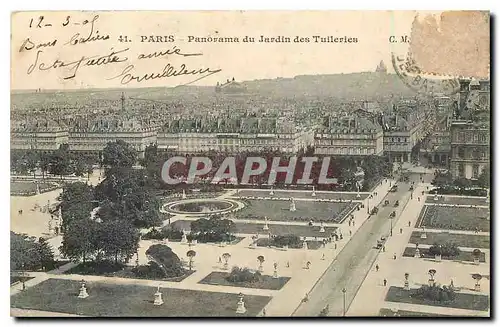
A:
<point x="342" y="168"/>
<point x="59" y="163"/>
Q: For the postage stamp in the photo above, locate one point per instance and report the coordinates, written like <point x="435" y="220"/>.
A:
<point x="250" y="164"/>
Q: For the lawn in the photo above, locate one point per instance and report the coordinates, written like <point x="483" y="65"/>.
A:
<point x="244" y="228"/>
<point x="266" y="282"/>
<point x="454" y="218"/>
<point x="311" y="245"/>
<point x="115" y="300"/>
<point x="404" y="313"/>
<point x="280" y="211"/>
<point x="29" y="188"/>
<point x="463" y="240"/>
<point x="472" y="200"/>
<point x="462" y="300"/>
<point x="303" y="195"/>
<point x="111" y="270"/>
<point x="463" y="256"/>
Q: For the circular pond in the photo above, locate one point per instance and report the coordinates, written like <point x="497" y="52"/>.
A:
<point x="200" y="207"/>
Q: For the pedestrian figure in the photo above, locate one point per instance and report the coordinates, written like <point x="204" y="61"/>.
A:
<point x="394" y="256"/>
<point x="350" y="232"/>
<point x="220" y="260"/>
<point x="323" y="257"/>
<point x="409" y="224"/>
<point x="341" y="237"/>
<point x="288" y="264"/>
<point x="263" y="312"/>
<point x="419" y="199"/>
<point x="306" y="298"/>
<point x="353" y="223"/>
<point x="335" y="247"/>
<point x="400" y="231"/>
<point x="383" y="248"/>
<point x="376" y="268"/>
<point x="452" y="286"/>
<point x="385" y="282"/>
<point x="349" y="223"/>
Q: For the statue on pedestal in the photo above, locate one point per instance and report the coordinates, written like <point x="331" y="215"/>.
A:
<point x="158" y="297"/>
<point x="83" y="291"/>
<point x="241" y="305"/>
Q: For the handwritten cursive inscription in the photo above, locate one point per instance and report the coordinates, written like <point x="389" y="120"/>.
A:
<point x="73" y="66"/>
<point x="126" y="75"/>
<point x="29" y="45"/>
<point x="91" y="37"/>
<point x="173" y="51"/>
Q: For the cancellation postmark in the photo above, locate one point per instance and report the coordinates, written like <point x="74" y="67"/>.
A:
<point x="411" y="75"/>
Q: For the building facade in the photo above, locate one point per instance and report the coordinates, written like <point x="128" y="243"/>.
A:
<point x="470" y="130"/>
<point x="233" y="135"/>
<point x="353" y="136"/>
<point x="42" y="135"/>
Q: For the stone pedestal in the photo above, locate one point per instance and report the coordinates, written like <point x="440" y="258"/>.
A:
<point x="241" y="307"/>
<point x="272" y="192"/>
<point x="417" y="253"/>
<point x="183" y="194"/>
<point x="423" y="235"/>
<point x="261" y="268"/>
<point x="437" y="258"/>
<point x="476" y="261"/>
<point x="184" y="239"/>
<point x="226" y="265"/>
<point x="477" y="287"/>
<point x="275" y="274"/>
<point x="292" y="206"/>
<point x="304" y="245"/>
<point x="285" y="247"/>
<point x="83" y="292"/>
<point x="195" y="242"/>
<point x="432" y="282"/>
<point x="266" y="227"/>
<point x="322" y="228"/>
<point x="158" y="298"/>
<point x="407" y="285"/>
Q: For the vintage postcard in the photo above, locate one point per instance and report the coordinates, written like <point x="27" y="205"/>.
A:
<point x="250" y="164"/>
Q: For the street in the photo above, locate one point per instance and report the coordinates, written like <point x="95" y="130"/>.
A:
<point x="354" y="261"/>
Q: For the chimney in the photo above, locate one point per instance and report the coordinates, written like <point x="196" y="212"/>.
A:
<point x="484" y="85"/>
<point x="464" y="92"/>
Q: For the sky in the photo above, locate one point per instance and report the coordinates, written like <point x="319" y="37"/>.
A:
<point x="243" y="61"/>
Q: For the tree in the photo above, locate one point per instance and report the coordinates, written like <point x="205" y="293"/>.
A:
<point x="226" y="256"/>
<point x="81" y="240"/>
<point x="28" y="253"/>
<point x="76" y="202"/>
<point x="261" y="260"/>
<point x="45" y="254"/>
<point x="60" y="162"/>
<point x="168" y="261"/>
<point x="32" y="158"/>
<point x="212" y="230"/>
<point x="448" y="249"/>
<point x="44" y="164"/>
<point x="477" y="278"/>
<point x="118" y="155"/>
<point x="191" y="254"/>
<point x="484" y="179"/>
<point x="118" y="239"/>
